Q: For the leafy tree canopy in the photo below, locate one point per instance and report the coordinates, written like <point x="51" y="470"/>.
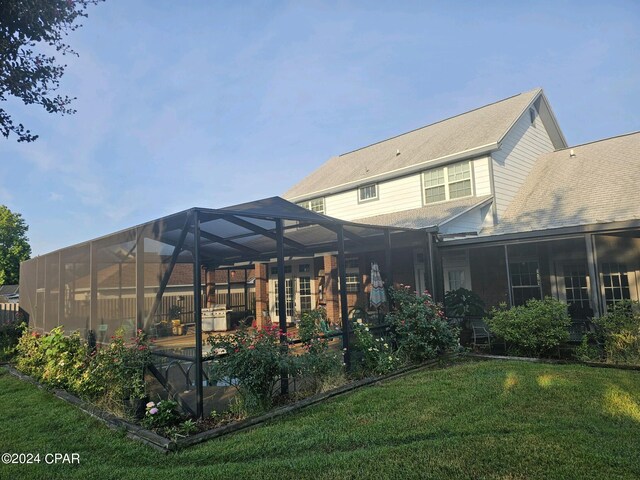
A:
<point x="30" y="75"/>
<point x="14" y="245"/>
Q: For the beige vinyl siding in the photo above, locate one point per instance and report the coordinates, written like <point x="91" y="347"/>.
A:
<point x="471" y="221"/>
<point x="481" y="176"/>
<point x="513" y="162"/>
<point x="393" y="196"/>
<point x="399" y="194"/>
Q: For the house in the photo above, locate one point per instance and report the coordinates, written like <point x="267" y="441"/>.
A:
<point x="9" y="293"/>
<point x="514" y="213"/>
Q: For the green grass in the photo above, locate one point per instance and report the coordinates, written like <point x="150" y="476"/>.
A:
<point x="506" y="420"/>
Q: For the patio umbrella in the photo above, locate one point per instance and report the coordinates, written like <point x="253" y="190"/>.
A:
<point x="378" y="297"/>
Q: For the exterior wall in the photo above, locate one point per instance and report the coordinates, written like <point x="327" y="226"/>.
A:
<point x="469" y="222"/>
<point x="513" y="162"/>
<point x="399" y="194"/>
<point x="482" y="176"/>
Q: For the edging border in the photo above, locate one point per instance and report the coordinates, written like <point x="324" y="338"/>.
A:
<point x="165" y="445"/>
<point x="553" y="361"/>
<point x="134" y="432"/>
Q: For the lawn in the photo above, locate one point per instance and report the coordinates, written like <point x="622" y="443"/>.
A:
<point x="506" y="420"/>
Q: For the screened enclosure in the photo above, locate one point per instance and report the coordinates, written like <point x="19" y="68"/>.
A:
<point x="153" y="276"/>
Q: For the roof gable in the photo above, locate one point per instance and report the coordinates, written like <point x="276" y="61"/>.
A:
<point x="597" y="184"/>
<point x="472" y="133"/>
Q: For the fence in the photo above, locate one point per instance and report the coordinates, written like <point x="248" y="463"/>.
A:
<point x="9" y="312"/>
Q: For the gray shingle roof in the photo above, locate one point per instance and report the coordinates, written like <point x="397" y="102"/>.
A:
<point x="598" y="185"/>
<point x="468" y="131"/>
<point x="424" y="217"/>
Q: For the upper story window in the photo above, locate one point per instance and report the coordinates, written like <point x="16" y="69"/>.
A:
<point x="368" y="192"/>
<point x="447" y="183"/>
<point x="315" y="205"/>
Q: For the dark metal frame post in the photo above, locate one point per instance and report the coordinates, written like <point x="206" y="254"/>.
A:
<point x="387" y="258"/>
<point x="167" y="274"/>
<point x="595" y="293"/>
<point x="506" y="265"/>
<point x="432" y="272"/>
<point x="61" y="290"/>
<point x="344" y="307"/>
<point x="197" y="311"/>
<point x="282" y="302"/>
<point x="140" y="277"/>
<point x="93" y="287"/>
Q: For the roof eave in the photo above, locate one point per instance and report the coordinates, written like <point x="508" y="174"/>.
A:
<point x="538" y="234"/>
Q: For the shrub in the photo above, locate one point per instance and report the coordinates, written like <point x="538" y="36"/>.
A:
<point x="588" y="350"/>
<point x="30" y="357"/>
<point x="463" y="303"/>
<point x="533" y="329"/>
<point x="116" y="371"/>
<point x="252" y="361"/>
<point x="372" y="355"/>
<point x="620" y="332"/>
<point x="54" y="359"/>
<point x="10" y="333"/>
<point x="419" y="326"/>
<point x="321" y="366"/>
<point x="112" y="376"/>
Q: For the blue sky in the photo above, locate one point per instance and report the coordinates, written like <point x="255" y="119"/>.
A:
<point x="184" y="104"/>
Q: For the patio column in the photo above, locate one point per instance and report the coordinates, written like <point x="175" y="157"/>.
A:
<point x="197" y="311"/>
<point x="262" y="294"/>
<point x="344" y="307"/>
<point x="595" y="296"/>
<point x="282" y="302"/>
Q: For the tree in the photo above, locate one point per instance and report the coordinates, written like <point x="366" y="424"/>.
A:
<point x="34" y="76"/>
<point x="14" y="245"/>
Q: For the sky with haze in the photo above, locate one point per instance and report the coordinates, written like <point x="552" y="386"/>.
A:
<point x="210" y="104"/>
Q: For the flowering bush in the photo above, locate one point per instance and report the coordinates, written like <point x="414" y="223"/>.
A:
<point x="419" y="326"/>
<point x="116" y="371"/>
<point x="251" y="361"/>
<point x="373" y="355"/>
<point x="321" y="366"/>
<point x="161" y="415"/>
<point x="54" y="359"/>
<point x="112" y="376"/>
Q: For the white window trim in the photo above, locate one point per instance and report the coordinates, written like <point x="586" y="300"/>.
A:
<point x="307" y="204"/>
<point x="365" y="200"/>
<point x="446" y="183"/>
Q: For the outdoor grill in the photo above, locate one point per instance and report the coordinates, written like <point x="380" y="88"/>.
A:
<point x="216" y="318"/>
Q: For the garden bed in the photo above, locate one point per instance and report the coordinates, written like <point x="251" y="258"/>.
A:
<point x="151" y="438"/>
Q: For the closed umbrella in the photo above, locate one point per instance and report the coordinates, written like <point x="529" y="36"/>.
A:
<point x="378" y="297"/>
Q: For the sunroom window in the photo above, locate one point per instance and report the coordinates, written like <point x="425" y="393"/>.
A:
<point x="447" y="183"/>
